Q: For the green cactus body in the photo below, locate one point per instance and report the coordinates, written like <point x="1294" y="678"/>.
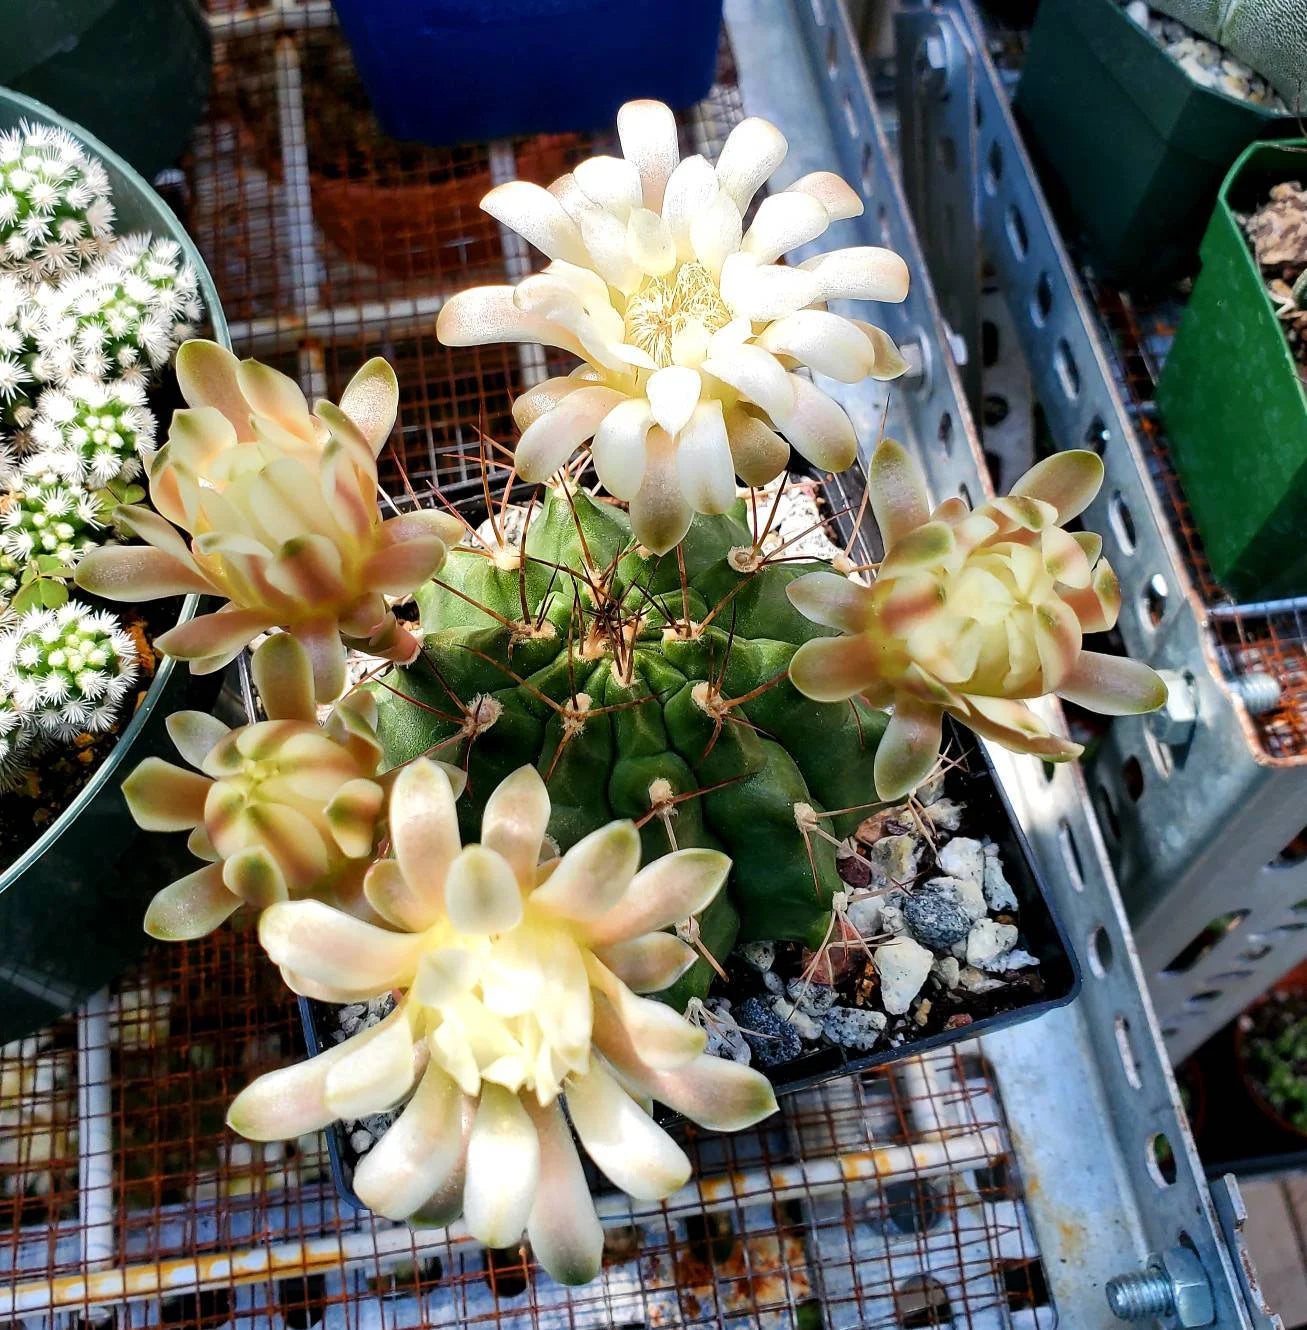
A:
<point x="592" y="676"/>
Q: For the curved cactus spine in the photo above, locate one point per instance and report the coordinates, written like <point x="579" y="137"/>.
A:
<point x="645" y="687"/>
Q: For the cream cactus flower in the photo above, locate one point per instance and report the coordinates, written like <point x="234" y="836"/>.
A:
<point x="281" y="506"/>
<point x="280" y="808"/>
<point x="518" y="985"/>
<point x="689" y="327"/>
<point x="971" y="613"/>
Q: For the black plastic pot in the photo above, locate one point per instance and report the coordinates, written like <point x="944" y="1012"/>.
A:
<point x="1136" y="149"/>
<point x="136" y="73"/>
<point x="1042" y="933"/>
<point x="71" y="904"/>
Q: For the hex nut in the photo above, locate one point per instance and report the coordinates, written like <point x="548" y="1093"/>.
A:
<point x="1174" y="723"/>
<point x="1191" y="1290"/>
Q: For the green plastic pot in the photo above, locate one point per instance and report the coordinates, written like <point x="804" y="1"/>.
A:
<point x="1232" y="401"/>
<point x="136" y="73"/>
<point x="1136" y="149"/>
<point x="71" y="906"/>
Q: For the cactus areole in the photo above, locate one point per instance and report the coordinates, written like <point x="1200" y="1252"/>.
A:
<point x="640" y="694"/>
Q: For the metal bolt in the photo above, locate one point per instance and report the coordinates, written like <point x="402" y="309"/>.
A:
<point x="932" y="62"/>
<point x="1259" y="692"/>
<point x="1173" y="1289"/>
<point x="1175" y="721"/>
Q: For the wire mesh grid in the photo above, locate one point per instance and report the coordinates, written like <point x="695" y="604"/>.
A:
<point x="889" y="1199"/>
<point x="1270" y="638"/>
<point x="884" y="1200"/>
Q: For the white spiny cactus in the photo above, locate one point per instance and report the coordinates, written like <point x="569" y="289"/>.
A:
<point x="67" y="669"/>
<point x="49" y="515"/>
<point x="15" y="742"/>
<point x="91" y="432"/>
<point x="21" y="366"/>
<point x="55" y="212"/>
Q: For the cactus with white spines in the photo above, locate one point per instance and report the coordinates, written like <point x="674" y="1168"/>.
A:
<point x="93" y="433"/>
<point x="50" y="515"/>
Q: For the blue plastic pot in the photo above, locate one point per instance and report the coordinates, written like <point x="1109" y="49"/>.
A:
<point x="447" y="71"/>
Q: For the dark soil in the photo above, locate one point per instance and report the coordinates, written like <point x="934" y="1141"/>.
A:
<point x="1277" y="232"/>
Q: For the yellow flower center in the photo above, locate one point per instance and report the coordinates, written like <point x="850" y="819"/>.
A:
<point x="665" y="307"/>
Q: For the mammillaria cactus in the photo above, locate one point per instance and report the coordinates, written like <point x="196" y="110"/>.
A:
<point x="278" y="808"/>
<point x="55" y="212"/>
<point x="281" y="505"/>
<point x="519" y="983"/>
<point x="91" y="432"/>
<point x="21" y="369"/>
<point x="66" y="670"/>
<point x="52" y="516"/>
<point x="971" y="613"/>
<point x="15" y="743"/>
<point x="689" y="327"/>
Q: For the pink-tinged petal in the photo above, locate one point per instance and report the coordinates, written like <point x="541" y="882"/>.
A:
<point x="758" y="453"/>
<point x="321" y="992"/>
<point x="647" y="132"/>
<point x="137" y="573"/>
<point x="503" y="1168"/>
<point x="324" y="944"/>
<point x="255" y="877"/>
<point x="1057" y="639"/>
<point x="445" y="1204"/>
<point x="375" y="1076"/>
<point x="832" y="600"/>
<point x="424" y="830"/>
<point x="164" y="797"/>
<point x="925" y="549"/>
<point x="490" y="314"/>
<point x="191" y="907"/>
<point x="660" y="516"/>
<point x="593" y="875"/>
<point x="1098" y="606"/>
<point x="549" y="441"/>
<point x="199" y="844"/>
<point x="275" y="395"/>
<point x="665" y="892"/>
<point x="649" y="963"/>
<point x="194" y="733"/>
<point x="703" y="461"/>
<point x="371" y="401"/>
<point x="899" y="499"/>
<point x="864" y="272"/>
<point x="1069" y="481"/>
<point x="542" y="398"/>
<point x="830" y="669"/>
<point x="1064" y="558"/>
<point x="481" y="892"/>
<point x="1113" y="685"/>
<point x="352" y="816"/>
<point x="514" y="822"/>
<point x="308" y="569"/>
<point x="711" y="1091"/>
<point x="1013" y="724"/>
<point x="913" y="599"/>
<point x="886" y="359"/>
<point x="423" y="523"/>
<point x="403" y="568"/>
<point x="618" y="447"/>
<point x="156" y="531"/>
<point x="833" y="192"/>
<point x="418" y="1153"/>
<point x="283" y="677"/>
<point x="321" y="639"/>
<point x="288" y="835"/>
<point x="1091" y="542"/>
<point x="756" y="375"/>
<point x="784" y="222"/>
<point x="909" y="748"/>
<point x="209" y="636"/>
<point x="537" y="216"/>
<point x="629" y="1148"/>
<point x="818" y="427"/>
<point x="564" y="1230"/>
<point x="752" y="151"/>
<point x="828" y="343"/>
<point x="388" y="892"/>
<point x="206" y="375"/>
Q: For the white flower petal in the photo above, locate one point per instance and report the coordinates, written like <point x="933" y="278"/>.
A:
<point x="660" y="516"/>
<point x="864" y="272"/>
<point x="424" y="829"/>
<point x="755" y="373"/>
<point x="715" y="232"/>
<point x="673" y="394"/>
<point x="784" y="222"/>
<point x="550" y="440"/>
<point x="758" y="453"/>
<point x="375" y="1075"/>
<point x="514" y="822"/>
<point x="332" y="947"/>
<point x="481" y="892"/>
<point x="818" y="428"/>
<point x="647" y="131"/>
<point x="833" y="600"/>
<point x="610" y="182"/>
<point x="762" y="292"/>
<point x="829" y="343"/>
<point x="703" y="461"/>
<point x="691" y="188"/>
<point x="663" y="893"/>
<point x="604" y="235"/>
<point x="503" y="1167"/>
<point x="418" y="1152"/>
<point x="752" y="151"/>
<point x="565" y="1233"/>
<point x="630" y="1149"/>
<point x="593" y="875"/>
<point x="618" y="447"/>
<point x="484" y="314"/>
<point x="650" y="242"/>
<point x="542" y="397"/>
<point x="832" y="192"/>
<point x="650" y="963"/>
<point x="537" y="216"/>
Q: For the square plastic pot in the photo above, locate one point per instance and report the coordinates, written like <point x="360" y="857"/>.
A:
<point x="1135" y="149"/>
<point x="71" y="905"/>
<point x="1234" y="407"/>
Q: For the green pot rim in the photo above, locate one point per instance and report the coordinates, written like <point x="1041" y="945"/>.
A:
<point x="108" y="770"/>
